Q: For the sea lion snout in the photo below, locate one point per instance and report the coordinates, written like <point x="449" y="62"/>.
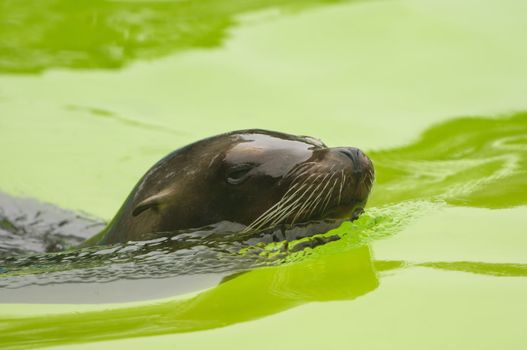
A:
<point x="355" y="155"/>
<point x="360" y="163"/>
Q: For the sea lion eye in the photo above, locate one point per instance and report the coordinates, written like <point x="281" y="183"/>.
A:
<point x="238" y="173"/>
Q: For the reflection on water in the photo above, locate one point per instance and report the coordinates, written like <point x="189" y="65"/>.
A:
<point x="476" y="162"/>
<point x="38" y="35"/>
<point x="468" y="161"/>
<point x="246" y="297"/>
<point x="499" y="270"/>
<point x="134" y="123"/>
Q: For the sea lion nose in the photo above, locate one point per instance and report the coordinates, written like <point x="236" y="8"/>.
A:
<point x="356" y="156"/>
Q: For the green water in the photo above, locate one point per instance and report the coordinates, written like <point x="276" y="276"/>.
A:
<point x="93" y="93"/>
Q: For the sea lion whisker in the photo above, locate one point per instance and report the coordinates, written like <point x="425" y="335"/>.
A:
<point x="309" y="198"/>
<point x="265" y="216"/>
<point x="315" y="201"/>
<point x="329" y="196"/>
<point x="300" y="167"/>
<point x="307" y="178"/>
<point x="313" y="205"/>
<point x="279" y="212"/>
<point x="298" y="172"/>
<point x="278" y="207"/>
<point x="284" y="198"/>
<point x="285" y="213"/>
<point x="343" y="177"/>
<point x="276" y="213"/>
<point x="294" y="182"/>
<point x="309" y="191"/>
<point x="291" y="210"/>
<point x="291" y="207"/>
<point x="318" y="200"/>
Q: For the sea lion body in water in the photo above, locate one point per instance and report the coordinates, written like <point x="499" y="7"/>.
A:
<point x="256" y="178"/>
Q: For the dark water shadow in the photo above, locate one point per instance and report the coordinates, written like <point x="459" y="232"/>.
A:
<point x="30" y="226"/>
<point x="87" y="34"/>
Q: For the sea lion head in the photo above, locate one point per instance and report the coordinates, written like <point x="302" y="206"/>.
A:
<point x="257" y="178"/>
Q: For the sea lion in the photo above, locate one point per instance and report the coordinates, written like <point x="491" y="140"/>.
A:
<point x="256" y="178"/>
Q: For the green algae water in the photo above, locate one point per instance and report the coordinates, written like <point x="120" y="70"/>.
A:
<point x="94" y="92"/>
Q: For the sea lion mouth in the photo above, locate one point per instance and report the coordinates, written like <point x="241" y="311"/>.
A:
<point x="344" y="213"/>
<point x="356" y="213"/>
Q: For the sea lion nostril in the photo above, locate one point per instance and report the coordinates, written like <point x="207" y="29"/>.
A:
<point x="347" y="152"/>
<point x="354" y="154"/>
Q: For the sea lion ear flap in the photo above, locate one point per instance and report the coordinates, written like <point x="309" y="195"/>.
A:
<point x="151" y="202"/>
